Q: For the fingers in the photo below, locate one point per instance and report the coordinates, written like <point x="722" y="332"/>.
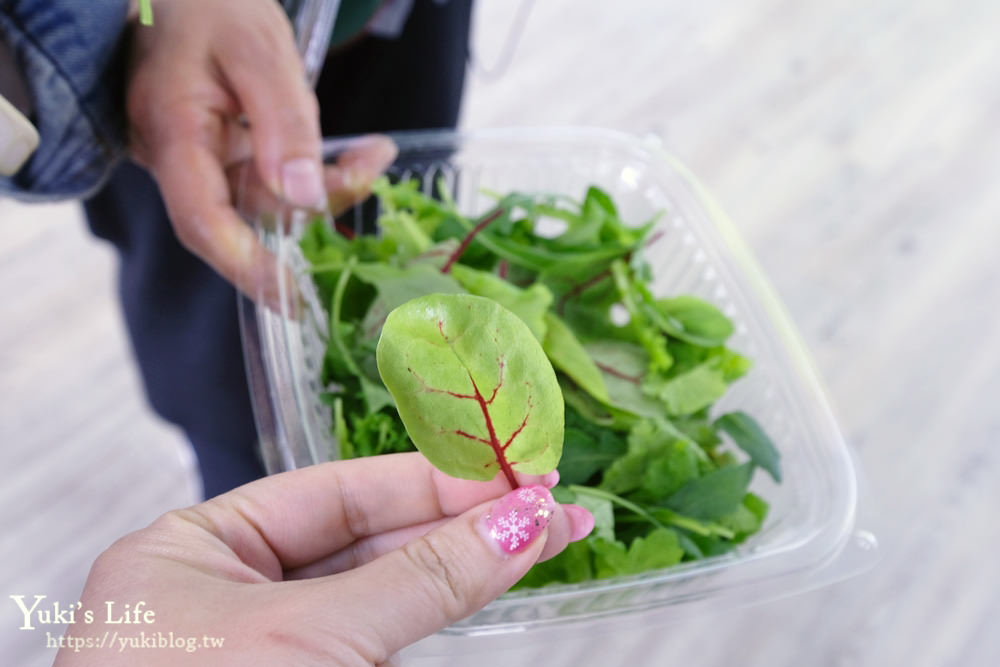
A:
<point x="367" y="549"/>
<point x="264" y="71"/>
<point x="347" y="182"/>
<point x="364" y="160"/>
<point x="297" y="518"/>
<point x="446" y="575"/>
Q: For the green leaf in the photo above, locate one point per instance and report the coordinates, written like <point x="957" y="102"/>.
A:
<point x="395" y="286"/>
<point x="656" y="464"/>
<point x="695" y="321"/>
<point x="741" y="522"/>
<point x="622" y="366"/>
<point x="688" y="392"/>
<point x="570" y="566"/>
<point x="145" y="12"/>
<point x="402" y="228"/>
<point x="660" y="548"/>
<point x="750" y="437"/>
<point x="345" y="449"/>
<point x="604" y="517"/>
<point x="530" y="304"/>
<point x="472" y="386"/>
<point x="379" y="433"/>
<point x="716" y="494"/>
<point x="587" y="448"/>
<point x="568" y="355"/>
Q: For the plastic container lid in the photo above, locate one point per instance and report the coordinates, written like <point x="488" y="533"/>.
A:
<point x="813" y="512"/>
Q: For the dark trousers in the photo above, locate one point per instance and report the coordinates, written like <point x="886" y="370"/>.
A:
<point x="181" y="316"/>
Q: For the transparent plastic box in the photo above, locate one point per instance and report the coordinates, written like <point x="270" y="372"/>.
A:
<point x="813" y="512"/>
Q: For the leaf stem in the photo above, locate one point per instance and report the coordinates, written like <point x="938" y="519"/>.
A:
<point x="338" y="301"/>
<point x="617" y="500"/>
<point x="480" y="226"/>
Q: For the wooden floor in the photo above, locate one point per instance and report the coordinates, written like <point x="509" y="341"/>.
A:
<point x="855" y="143"/>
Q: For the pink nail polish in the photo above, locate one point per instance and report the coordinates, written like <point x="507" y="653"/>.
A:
<point x="519" y="517"/>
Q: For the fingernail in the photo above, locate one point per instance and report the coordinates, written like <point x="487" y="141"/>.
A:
<point x="302" y="183"/>
<point x="581" y="521"/>
<point x="519" y="517"/>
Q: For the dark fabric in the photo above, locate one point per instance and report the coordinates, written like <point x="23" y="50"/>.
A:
<point x="181" y="316"/>
<point x="70" y="56"/>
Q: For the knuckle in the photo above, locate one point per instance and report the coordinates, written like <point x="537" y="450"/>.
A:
<point x="355" y="514"/>
<point x="441" y="571"/>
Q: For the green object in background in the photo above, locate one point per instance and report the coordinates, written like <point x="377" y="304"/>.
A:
<point x="145" y="12"/>
<point x="352" y="17"/>
<point x="641" y="447"/>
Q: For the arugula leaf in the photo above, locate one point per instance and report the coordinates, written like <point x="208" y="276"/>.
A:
<point x="472" y="386"/>
<point x="750" y="437"/>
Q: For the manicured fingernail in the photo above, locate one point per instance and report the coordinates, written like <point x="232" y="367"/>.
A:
<point x="302" y="183"/>
<point x="519" y="517"/>
<point x="581" y="521"/>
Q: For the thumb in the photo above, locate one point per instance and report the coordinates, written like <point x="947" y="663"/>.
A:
<point x="448" y="573"/>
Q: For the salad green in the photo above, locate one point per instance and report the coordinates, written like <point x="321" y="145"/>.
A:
<point x="639" y="374"/>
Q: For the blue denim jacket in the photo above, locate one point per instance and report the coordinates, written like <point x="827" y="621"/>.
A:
<point x="67" y="51"/>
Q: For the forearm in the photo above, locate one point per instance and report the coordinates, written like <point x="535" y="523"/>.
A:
<point x="69" y="55"/>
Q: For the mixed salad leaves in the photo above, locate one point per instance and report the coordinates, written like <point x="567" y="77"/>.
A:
<point x="500" y="341"/>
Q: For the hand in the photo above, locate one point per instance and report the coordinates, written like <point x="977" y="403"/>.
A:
<point x="209" y="84"/>
<point x="343" y="563"/>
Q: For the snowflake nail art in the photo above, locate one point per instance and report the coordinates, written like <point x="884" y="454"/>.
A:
<point x="519" y="517"/>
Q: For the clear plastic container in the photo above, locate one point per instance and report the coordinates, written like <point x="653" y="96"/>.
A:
<point x="813" y="512"/>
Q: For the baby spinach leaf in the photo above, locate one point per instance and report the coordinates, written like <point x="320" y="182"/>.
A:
<point x="472" y="386"/>
<point x="750" y="437"/>
<point x="716" y="494"/>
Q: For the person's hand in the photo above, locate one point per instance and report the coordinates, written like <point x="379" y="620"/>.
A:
<point x="211" y="82"/>
<point x="343" y="563"/>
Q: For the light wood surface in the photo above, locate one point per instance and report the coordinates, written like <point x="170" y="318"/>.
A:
<point x="855" y="143"/>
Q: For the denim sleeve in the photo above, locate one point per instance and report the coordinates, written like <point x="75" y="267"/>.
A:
<point x="69" y="53"/>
